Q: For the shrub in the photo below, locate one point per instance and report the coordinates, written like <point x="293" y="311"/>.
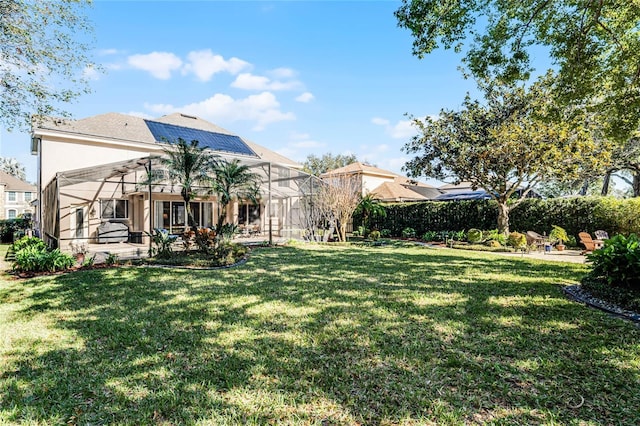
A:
<point x="228" y="230"/>
<point x="474" y="236"/>
<point x="494" y="243"/>
<point x="374" y="235"/>
<point x="112" y="259"/>
<point x="408" y="232"/>
<point x="618" y="262"/>
<point x="37" y="259"/>
<point x="517" y="240"/>
<point x="558" y="235"/>
<point x="162" y="242"/>
<point x="494" y="235"/>
<point x="430" y="236"/>
<point x="385" y="233"/>
<point x="205" y="239"/>
<point x="28" y="242"/>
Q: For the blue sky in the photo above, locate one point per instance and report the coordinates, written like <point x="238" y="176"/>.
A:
<point x="297" y="77"/>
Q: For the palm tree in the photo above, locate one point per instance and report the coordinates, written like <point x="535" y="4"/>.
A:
<point x="190" y="166"/>
<point x="233" y="181"/>
<point x="370" y="206"/>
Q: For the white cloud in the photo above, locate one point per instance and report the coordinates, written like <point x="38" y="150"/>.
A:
<point x="204" y="64"/>
<point x="158" y="64"/>
<point x="380" y="121"/>
<point x="108" y="52"/>
<point x="305" y="97"/>
<point x="307" y="144"/>
<point x="139" y="114"/>
<point x="248" y="81"/>
<point x="403" y="129"/>
<point x="262" y="109"/>
<point x="90" y="73"/>
<point x="282" y="73"/>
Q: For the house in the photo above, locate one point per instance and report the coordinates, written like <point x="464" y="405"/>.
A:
<point x="465" y="191"/>
<point x="17" y="196"/>
<point x="386" y="186"/>
<point x="94" y="173"/>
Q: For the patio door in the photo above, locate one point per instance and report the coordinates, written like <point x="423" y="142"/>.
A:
<point x="79" y="226"/>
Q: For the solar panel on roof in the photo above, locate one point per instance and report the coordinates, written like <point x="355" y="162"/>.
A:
<point x="170" y="133"/>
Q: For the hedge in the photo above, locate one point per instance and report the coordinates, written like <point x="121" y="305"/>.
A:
<point x="9" y="226"/>
<point x="574" y="214"/>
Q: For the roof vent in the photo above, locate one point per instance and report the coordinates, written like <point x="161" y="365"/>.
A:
<point x="188" y="116"/>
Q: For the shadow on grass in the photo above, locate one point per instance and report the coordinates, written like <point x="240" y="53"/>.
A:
<point x="326" y="335"/>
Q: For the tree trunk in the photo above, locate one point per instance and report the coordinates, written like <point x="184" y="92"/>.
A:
<point x="503" y="217"/>
<point x="605" y="183"/>
<point x="636" y="183"/>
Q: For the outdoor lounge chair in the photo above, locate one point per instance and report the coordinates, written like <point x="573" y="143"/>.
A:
<point x="536" y="240"/>
<point x="589" y="243"/>
<point x="601" y="235"/>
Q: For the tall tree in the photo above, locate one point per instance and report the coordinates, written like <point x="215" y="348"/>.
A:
<point x="43" y="62"/>
<point x="234" y="181"/>
<point x="506" y="147"/>
<point x="190" y="166"/>
<point x="13" y="167"/>
<point x="316" y="166"/>
<point x="595" y="45"/>
<point x="339" y="198"/>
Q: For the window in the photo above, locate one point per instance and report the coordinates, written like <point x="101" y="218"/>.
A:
<point x="11" y="214"/>
<point x="172" y="216"/>
<point x="27" y="196"/>
<point x="114" y="209"/>
<point x="12" y="196"/>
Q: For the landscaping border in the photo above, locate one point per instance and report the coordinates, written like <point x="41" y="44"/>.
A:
<point x="578" y="294"/>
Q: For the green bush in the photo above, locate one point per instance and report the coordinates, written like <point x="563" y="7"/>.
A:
<point x="430" y="236"/>
<point x="618" y="262"/>
<point x="408" y="232"/>
<point x="374" y="235"/>
<point x="558" y="235"/>
<point x="9" y="227"/>
<point x="494" y="235"/>
<point x="385" y="233"/>
<point x="36" y="259"/>
<point x="162" y="243"/>
<point x="474" y="236"/>
<point x="517" y="240"/>
<point x="28" y="242"/>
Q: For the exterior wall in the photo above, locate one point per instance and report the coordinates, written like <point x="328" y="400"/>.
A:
<point x="58" y="154"/>
<point x="20" y="205"/>
<point x="369" y="183"/>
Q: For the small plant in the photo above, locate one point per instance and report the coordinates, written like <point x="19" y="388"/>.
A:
<point x="37" y="259"/>
<point x="205" y="239"/>
<point x="430" y="236"/>
<point x="112" y="259"/>
<point x="474" y="236"/>
<point x="618" y="262"/>
<point x="558" y="235"/>
<point x="517" y="241"/>
<point x="374" y="235"/>
<point x="408" y="232"/>
<point x="28" y="242"/>
<point x="495" y="235"/>
<point x="89" y="261"/>
<point x="163" y="242"/>
<point x="385" y="233"/>
<point x="228" y="230"/>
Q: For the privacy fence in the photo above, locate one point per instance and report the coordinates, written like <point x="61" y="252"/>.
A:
<point x="574" y="214"/>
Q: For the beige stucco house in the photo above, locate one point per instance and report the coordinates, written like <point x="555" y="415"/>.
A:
<point x="17" y="196"/>
<point x="385" y="185"/>
<point x="92" y="172"/>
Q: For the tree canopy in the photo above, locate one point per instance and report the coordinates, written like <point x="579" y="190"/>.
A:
<point x="43" y="63"/>
<point x="507" y="146"/>
<point x="316" y="166"/>
<point x="594" y="45"/>
<point x="13" y="167"/>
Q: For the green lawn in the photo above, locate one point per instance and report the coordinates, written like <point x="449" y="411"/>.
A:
<point x="317" y="335"/>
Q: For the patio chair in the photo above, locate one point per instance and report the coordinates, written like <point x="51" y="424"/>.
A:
<point x="601" y="235"/>
<point x="589" y="243"/>
<point x="536" y="240"/>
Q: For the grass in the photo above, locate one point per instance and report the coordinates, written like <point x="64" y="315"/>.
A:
<point x="317" y="334"/>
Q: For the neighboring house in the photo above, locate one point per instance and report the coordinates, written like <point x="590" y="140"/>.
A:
<point x="17" y="196"/>
<point x="386" y="186"/>
<point x="94" y="171"/>
<point x="465" y="191"/>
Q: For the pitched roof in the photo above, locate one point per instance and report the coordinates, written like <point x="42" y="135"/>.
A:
<point x="358" y="167"/>
<point x="12" y="183"/>
<point x="122" y="127"/>
<point x="392" y="191"/>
